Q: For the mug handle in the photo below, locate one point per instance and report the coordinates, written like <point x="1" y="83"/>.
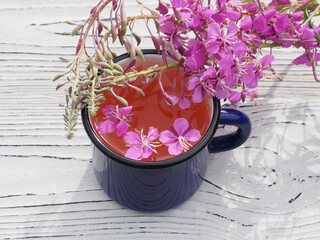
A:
<point x="233" y="140"/>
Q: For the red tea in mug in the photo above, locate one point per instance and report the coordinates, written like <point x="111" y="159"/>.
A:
<point x="152" y="110"/>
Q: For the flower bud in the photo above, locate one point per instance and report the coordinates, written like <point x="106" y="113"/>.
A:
<point x="138" y="38"/>
<point x="108" y="72"/>
<point x="140" y="54"/>
<point x="69" y="63"/>
<point x="122" y="100"/>
<point x="118" y="67"/>
<point x="105" y="65"/>
<point x="69" y="22"/>
<point x="57" y="77"/>
<point x="99" y="55"/>
<point x="76" y="30"/>
<point x="107" y="53"/>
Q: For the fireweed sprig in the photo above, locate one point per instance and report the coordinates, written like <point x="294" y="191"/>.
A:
<point x="217" y="45"/>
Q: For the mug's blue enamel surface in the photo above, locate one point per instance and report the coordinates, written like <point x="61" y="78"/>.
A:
<point x="150" y="189"/>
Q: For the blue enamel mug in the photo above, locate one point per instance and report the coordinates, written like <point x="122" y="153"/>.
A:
<point x="161" y="185"/>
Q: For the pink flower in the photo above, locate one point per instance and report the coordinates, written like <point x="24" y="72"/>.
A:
<point x="117" y="119"/>
<point x="203" y="86"/>
<point x="163" y="7"/>
<point x="306" y="58"/>
<point x="218" y="38"/>
<point x="141" y="146"/>
<point x="179" y="137"/>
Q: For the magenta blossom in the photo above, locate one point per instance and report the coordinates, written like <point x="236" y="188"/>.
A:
<point x="179" y="137"/>
<point x="117" y="119"/>
<point x="141" y="146"/>
<point x="203" y="86"/>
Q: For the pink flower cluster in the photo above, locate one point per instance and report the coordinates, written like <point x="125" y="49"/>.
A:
<point x="178" y="139"/>
<point x="220" y="47"/>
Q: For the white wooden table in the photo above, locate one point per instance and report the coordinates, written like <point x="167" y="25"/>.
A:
<point x="266" y="189"/>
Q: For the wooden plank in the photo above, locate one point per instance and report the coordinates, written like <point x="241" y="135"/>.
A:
<point x="266" y="189"/>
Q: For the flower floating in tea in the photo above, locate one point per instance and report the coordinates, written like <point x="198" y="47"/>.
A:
<point x="141" y="145"/>
<point x="179" y="136"/>
<point x="117" y="119"/>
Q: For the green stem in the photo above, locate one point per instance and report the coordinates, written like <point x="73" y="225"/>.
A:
<point x="266" y="45"/>
<point x="145" y="72"/>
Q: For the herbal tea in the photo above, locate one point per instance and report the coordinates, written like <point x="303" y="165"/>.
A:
<point x="150" y="129"/>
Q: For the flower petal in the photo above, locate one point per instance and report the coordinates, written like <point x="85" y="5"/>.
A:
<point x="259" y="23"/>
<point x="167" y="137"/>
<point x="181" y="125"/>
<point x="132" y="138"/>
<point x="193" y="83"/>
<point x="107" y="127"/>
<point x="153" y="134"/>
<point x="233" y="15"/>
<point x="226" y="62"/>
<point x="106" y="110"/>
<point x="175" y="149"/>
<point x="191" y="62"/>
<point x="146" y="152"/>
<point x="178" y="3"/>
<point x="184" y="103"/>
<point x="197" y="94"/>
<point x="246" y="24"/>
<point x="266" y="60"/>
<point x="214" y="30"/>
<point x="192" y="135"/>
<point x="122" y="127"/>
<point x="125" y="110"/>
<point x="133" y="153"/>
<point x="167" y="28"/>
<point x="234" y="97"/>
<point x="213" y="48"/>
